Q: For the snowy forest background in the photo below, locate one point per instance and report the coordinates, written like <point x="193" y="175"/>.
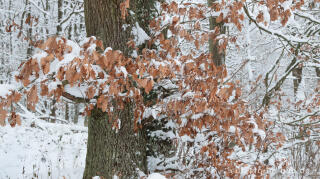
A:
<point x="51" y="142"/>
<point x="56" y="131"/>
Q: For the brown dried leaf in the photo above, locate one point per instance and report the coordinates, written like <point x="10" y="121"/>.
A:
<point x="18" y="120"/>
<point x="32" y="98"/>
<point x="45" y="63"/>
<point x="16" y="97"/>
<point x="149" y="86"/>
<point x="44" y="89"/>
<point x="3" y="116"/>
<point x="260" y="17"/>
<point x="99" y="44"/>
<point x="123" y="8"/>
<point x="28" y="20"/>
<point x="142" y="82"/>
<point x="90" y="92"/>
<point x="104" y="105"/>
<point x="219" y="18"/>
<point x="61" y="73"/>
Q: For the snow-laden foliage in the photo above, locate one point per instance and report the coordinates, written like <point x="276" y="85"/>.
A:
<point x="242" y="119"/>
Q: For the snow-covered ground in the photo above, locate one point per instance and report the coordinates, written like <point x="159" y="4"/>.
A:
<point x="42" y="150"/>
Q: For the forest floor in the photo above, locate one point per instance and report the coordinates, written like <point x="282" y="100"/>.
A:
<point x="39" y="149"/>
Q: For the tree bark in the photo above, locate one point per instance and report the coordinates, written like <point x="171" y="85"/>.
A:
<point x="60" y="14"/>
<point x="297" y="73"/>
<point x="66" y="112"/>
<point x="103" y="20"/>
<point x="114" y="152"/>
<point x="111" y="152"/>
<point x="29" y="28"/>
<point x="318" y="75"/>
<point x="76" y="113"/>
<point x="217" y="57"/>
<point x="53" y="110"/>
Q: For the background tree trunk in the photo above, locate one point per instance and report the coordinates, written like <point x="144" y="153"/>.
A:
<point x="76" y="113"/>
<point x="217" y="57"/>
<point x="66" y="113"/>
<point x="26" y="13"/>
<point x="109" y="152"/>
<point x="297" y="73"/>
<point x="318" y="75"/>
<point x="53" y="110"/>
<point x="60" y="14"/>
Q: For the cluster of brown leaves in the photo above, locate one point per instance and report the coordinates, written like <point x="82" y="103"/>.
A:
<point x="109" y="75"/>
<point x="124" y="8"/>
<point x="234" y="16"/>
<point x="211" y="101"/>
<point x="7" y="103"/>
<point x="31" y="21"/>
<point x="112" y="77"/>
<point x="218" y="103"/>
<point x="275" y="12"/>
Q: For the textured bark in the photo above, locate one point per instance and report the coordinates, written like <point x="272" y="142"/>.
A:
<point x="76" y="113"/>
<point x="103" y="20"/>
<point x="109" y="152"/>
<point x="144" y="12"/>
<point x="29" y="30"/>
<point x="217" y="57"/>
<point x="53" y="110"/>
<point x="318" y="75"/>
<point x="297" y="73"/>
<point x="66" y="113"/>
<point x="60" y="14"/>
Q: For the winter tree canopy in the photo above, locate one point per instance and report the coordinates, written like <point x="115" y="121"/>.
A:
<point x="185" y="88"/>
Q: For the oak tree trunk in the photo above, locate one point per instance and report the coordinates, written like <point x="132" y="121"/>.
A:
<point x="111" y="152"/>
<point x="103" y="20"/>
<point x="114" y="152"/>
